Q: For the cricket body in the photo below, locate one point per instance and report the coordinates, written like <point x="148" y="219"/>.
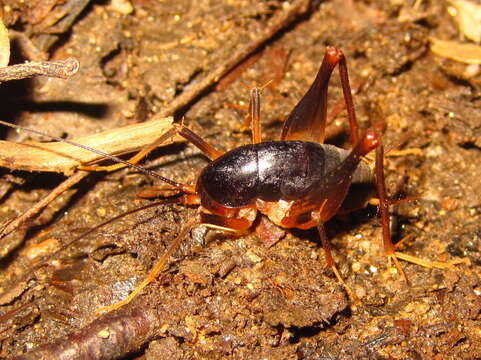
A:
<point x="271" y="175"/>
<point x="296" y="181"/>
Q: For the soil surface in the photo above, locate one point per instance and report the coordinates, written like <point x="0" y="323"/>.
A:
<point x="234" y="297"/>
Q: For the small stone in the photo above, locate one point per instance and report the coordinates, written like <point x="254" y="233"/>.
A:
<point x="123" y="7"/>
<point x="104" y="334"/>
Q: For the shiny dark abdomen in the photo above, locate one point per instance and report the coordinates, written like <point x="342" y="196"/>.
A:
<point x="270" y="171"/>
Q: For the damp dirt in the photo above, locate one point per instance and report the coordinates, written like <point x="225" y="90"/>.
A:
<point x="234" y="297"/>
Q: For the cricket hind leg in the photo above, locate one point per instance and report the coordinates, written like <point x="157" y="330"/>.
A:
<point x="389" y="246"/>
<point x="307" y="121"/>
<point x="346" y="90"/>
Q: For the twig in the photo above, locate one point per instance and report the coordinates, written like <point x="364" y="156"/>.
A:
<point x="109" y="337"/>
<point x="52" y="28"/>
<point x="280" y="22"/>
<point x="61" y="69"/>
<point x="26" y="46"/>
<point x="14" y="224"/>
<point x="65" y="158"/>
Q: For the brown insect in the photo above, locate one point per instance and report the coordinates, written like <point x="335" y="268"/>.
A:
<point x="296" y="181"/>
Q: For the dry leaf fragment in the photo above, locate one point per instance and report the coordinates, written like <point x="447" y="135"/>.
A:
<point x="465" y="53"/>
<point x="4" y="45"/>
<point x="6" y="297"/>
<point x="65" y="158"/>
<point x="468" y="16"/>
